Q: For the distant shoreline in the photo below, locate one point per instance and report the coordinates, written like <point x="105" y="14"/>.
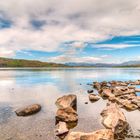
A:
<point x="22" y="63"/>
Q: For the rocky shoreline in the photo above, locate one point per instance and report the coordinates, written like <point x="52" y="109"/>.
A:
<point x="118" y="94"/>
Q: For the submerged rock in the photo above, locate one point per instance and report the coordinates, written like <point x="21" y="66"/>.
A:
<point x="28" y="110"/>
<point x="93" y="97"/>
<point x="103" y="134"/>
<point x="67" y="101"/>
<point x="90" y="91"/>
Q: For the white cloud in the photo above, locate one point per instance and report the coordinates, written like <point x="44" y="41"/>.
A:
<point x="80" y="21"/>
<point x="116" y="46"/>
<point x="6" y="53"/>
<point x="86" y="59"/>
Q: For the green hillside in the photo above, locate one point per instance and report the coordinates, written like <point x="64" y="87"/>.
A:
<point x="6" y="62"/>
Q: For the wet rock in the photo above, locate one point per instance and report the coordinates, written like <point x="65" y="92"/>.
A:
<point x="128" y="105"/>
<point x="67" y="101"/>
<point x="93" y="97"/>
<point x="118" y="83"/>
<point x="106" y="93"/>
<point x="114" y="119"/>
<point x="90" y="91"/>
<point x="97" y="85"/>
<point x="112" y="99"/>
<point x="104" y="84"/>
<point x="29" y="110"/>
<point x="135" y="83"/>
<point x="61" y="130"/>
<point x="136" y="101"/>
<point x="123" y="91"/>
<point x="131" y="87"/>
<point x="103" y="134"/>
<point x="67" y="115"/>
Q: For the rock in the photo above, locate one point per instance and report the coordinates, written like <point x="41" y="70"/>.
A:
<point x="96" y="85"/>
<point x="114" y="119"/>
<point x="131" y="87"/>
<point x="67" y="101"/>
<point x="106" y="93"/>
<point x="67" y="115"/>
<point x="123" y="91"/>
<point x="103" y="134"/>
<point x="137" y="90"/>
<point x="136" y="101"/>
<point x="90" y="91"/>
<point x="128" y="105"/>
<point x="29" y="110"/>
<point x="93" y="97"/>
<point x="104" y="84"/>
<point x="61" y="129"/>
<point x="118" y="83"/>
<point x="135" y="83"/>
<point x="112" y="98"/>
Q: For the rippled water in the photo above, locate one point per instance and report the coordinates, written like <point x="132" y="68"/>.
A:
<point x="20" y="87"/>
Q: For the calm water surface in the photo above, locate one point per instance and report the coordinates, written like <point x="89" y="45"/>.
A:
<point x="20" y="87"/>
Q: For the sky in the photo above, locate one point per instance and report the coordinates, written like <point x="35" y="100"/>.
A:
<point x="63" y="31"/>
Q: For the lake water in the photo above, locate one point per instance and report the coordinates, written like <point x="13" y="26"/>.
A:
<point x="21" y="87"/>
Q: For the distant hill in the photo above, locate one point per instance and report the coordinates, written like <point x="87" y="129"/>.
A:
<point x="125" y="64"/>
<point x="131" y="63"/>
<point x="6" y="62"/>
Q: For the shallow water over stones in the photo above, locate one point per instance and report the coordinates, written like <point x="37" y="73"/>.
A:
<point x="23" y="87"/>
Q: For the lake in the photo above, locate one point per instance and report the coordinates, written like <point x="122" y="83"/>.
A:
<point x="21" y="87"/>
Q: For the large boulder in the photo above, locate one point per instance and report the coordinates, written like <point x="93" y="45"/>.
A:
<point x="67" y="101"/>
<point x="103" y="134"/>
<point x="28" y="110"/>
<point x="114" y="119"/>
<point x="93" y="97"/>
<point x="67" y="115"/>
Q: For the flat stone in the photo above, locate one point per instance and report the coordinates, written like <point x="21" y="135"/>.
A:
<point x="103" y="134"/>
<point x="67" y="101"/>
